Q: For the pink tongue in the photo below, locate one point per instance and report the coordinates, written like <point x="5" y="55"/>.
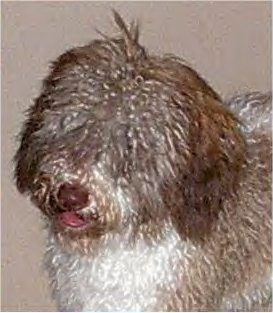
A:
<point x="72" y="219"/>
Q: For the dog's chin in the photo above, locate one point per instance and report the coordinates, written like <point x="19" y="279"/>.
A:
<point x="78" y="230"/>
<point x="74" y="232"/>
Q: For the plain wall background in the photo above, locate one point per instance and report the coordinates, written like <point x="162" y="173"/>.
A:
<point x="229" y="43"/>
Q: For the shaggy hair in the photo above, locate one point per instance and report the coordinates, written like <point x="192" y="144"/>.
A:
<point x="155" y="193"/>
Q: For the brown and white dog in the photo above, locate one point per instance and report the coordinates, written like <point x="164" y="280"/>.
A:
<point x="156" y="194"/>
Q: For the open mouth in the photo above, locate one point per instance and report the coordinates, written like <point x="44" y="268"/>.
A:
<point x="73" y="219"/>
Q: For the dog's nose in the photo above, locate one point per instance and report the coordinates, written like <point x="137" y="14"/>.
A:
<point x="72" y="196"/>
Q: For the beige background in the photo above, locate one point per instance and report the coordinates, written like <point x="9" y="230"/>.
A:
<point x="228" y="43"/>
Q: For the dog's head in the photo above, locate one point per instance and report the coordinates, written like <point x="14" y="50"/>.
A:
<point x="119" y="139"/>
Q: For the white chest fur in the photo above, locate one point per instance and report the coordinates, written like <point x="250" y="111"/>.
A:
<point x="117" y="278"/>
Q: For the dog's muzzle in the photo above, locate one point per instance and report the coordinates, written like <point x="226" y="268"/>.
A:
<point x="71" y="198"/>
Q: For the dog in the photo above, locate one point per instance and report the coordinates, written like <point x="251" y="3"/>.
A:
<point x="155" y="193"/>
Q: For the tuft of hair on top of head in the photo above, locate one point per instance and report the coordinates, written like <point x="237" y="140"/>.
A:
<point x="130" y="35"/>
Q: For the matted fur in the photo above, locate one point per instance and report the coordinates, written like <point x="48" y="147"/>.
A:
<point x="179" y="183"/>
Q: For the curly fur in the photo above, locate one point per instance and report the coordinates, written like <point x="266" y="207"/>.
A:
<point x="178" y="183"/>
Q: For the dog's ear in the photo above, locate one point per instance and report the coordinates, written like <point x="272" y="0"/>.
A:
<point x="218" y="150"/>
<point x="210" y="149"/>
<point x="24" y="159"/>
<point x="28" y="153"/>
<point x="214" y="166"/>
